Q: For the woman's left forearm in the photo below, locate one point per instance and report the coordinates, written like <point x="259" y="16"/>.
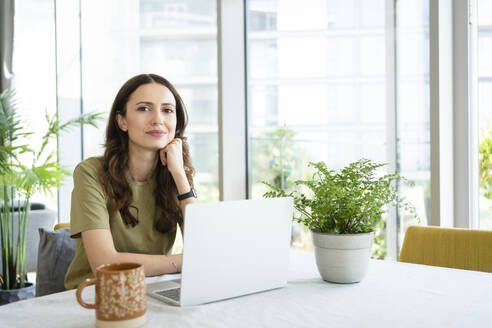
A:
<point x="181" y="181"/>
<point x="183" y="187"/>
<point x="182" y="206"/>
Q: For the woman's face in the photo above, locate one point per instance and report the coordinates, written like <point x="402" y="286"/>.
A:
<point x="150" y="118"/>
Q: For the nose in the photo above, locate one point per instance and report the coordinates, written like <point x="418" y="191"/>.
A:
<point x="157" y="117"/>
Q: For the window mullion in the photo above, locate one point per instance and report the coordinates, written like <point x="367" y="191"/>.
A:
<point x="391" y="132"/>
<point x="232" y="99"/>
<point x="68" y="95"/>
<point x="465" y="117"/>
<point x="441" y="117"/>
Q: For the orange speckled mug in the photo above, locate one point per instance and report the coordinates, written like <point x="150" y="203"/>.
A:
<point x="120" y="295"/>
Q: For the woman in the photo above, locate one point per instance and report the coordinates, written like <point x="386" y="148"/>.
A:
<point x="127" y="204"/>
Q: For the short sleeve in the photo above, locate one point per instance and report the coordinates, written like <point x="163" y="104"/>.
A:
<point x="89" y="202"/>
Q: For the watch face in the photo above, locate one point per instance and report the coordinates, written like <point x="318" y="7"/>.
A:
<point x="193" y="192"/>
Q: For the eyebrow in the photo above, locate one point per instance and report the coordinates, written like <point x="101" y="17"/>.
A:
<point x="151" y="103"/>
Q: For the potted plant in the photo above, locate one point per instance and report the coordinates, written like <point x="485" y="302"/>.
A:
<point x="23" y="172"/>
<point x="342" y="209"/>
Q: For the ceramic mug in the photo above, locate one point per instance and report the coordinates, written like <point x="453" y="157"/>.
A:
<point x="120" y="295"/>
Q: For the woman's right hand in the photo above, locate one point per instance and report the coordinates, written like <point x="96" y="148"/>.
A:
<point x="172" y="156"/>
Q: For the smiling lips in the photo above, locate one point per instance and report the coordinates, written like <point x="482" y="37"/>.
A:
<point x="156" y="133"/>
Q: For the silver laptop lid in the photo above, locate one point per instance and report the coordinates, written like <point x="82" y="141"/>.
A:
<point x="235" y="248"/>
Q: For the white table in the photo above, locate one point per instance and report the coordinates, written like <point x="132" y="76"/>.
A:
<point x="391" y="295"/>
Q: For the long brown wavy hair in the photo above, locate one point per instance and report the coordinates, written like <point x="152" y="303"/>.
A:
<point x="115" y="162"/>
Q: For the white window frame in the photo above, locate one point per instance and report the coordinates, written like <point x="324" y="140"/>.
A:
<point x="392" y="219"/>
<point x="466" y="170"/>
<point x="231" y="56"/>
<point x="441" y="112"/>
<point x="454" y="133"/>
<point x="70" y="146"/>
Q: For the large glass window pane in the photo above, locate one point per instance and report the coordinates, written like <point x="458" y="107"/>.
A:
<point x="175" y="39"/>
<point x="317" y="90"/>
<point x="413" y="107"/>
<point x="484" y="73"/>
<point x="34" y="72"/>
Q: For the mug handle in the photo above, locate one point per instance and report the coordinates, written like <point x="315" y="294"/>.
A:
<point x="84" y="284"/>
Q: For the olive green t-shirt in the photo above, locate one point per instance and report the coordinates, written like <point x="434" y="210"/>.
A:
<point x="90" y="210"/>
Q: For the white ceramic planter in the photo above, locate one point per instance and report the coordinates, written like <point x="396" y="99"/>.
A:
<point x="342" y="258"/>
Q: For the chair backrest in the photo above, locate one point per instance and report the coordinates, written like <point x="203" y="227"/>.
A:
<point x="62" y="225"/>
<point x="448" y="247"/>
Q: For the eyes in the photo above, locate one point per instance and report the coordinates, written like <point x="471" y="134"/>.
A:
<point x="168" y="110"/>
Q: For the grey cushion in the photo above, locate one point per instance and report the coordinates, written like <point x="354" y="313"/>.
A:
<point x="55" y="253"/>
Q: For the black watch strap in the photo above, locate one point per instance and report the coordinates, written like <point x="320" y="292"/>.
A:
<point x="189" y="194"/>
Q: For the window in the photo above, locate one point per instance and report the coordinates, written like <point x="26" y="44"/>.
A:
<point x="175" y="39"/>
<point x="34" y="71"/>
<point x="83" y="70"/>
<point x="318" y="86"/>
<point x="413" y="107"/>
<point x="333" y="81"/>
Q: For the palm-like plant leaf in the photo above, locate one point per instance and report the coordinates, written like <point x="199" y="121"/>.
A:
<point x="10" y="129"/>
<point x="43" y="174"/>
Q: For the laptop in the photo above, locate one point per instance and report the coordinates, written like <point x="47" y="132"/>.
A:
<point x="230" y="249"/>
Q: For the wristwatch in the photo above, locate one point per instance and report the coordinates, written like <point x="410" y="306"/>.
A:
<point x="189" y="194"/>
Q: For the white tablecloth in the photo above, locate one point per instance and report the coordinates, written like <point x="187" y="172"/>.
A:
<point x="391" y="295"/>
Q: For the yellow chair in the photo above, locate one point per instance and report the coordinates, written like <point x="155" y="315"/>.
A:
<point x="62" y="225"/>
<point x="448" y="247"/>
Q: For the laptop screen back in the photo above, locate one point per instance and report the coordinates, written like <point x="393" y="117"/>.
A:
<point x="235" y="248"/>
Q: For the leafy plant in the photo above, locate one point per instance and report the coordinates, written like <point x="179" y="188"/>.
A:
<point x="42" y="174"/>
<point x="485" y="162"/>
<point x="276" y="155"/>
<point x="347" y="202"/>
<point x="379" y="246"/>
